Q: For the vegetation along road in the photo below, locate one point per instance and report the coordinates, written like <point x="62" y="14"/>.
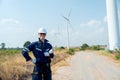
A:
<point x="88" y="66"/>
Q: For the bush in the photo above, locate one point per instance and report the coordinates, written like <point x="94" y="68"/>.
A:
<point x="97" y="47"/>
<point x="117" y="56"/>
<point x="110" y="51"/>
<point x="117" y="50"/>
<point x="59" y="48"/>
<point x="71" y="51"/>
<point x="62" y="47"/>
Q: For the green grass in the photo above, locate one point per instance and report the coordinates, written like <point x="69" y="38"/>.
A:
<point x="109" y="53"/>
<point x="71" y="51"/>
<point x="9" y="52"/>
<point x="117" y="56"/>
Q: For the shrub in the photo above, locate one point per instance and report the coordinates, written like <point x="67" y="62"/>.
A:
<point x="117" y="56"/>
<point x="97" y="47"/>
<point x="110" y="51"/>
<point x="71" y="51"/>
<point x="60" y="48"/>
<point x="117" y="50"/>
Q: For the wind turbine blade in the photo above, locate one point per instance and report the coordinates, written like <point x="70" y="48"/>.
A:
<point x="69" y="13"/>
<point x="65" y="18"/>
<point x="69" y="22"/>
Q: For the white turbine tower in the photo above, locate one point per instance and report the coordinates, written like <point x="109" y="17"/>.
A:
<point x="67" y="29"/>
<point x="113" y="24"/>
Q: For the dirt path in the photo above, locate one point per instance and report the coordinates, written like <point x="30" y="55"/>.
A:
<point x="88" y="66"/>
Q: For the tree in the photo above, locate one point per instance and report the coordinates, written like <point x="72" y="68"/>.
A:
<point x="84" y="46"/>
<point x="3" y="45"/>
<point x="27" y="43"/>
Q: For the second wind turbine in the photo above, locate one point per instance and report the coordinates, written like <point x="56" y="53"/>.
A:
<point x="67" y="29"/>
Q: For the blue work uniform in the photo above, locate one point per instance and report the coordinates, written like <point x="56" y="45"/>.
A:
<point x="42" y="69"/>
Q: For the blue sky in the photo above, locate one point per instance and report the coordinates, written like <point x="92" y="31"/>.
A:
<point x="20" y="20"/>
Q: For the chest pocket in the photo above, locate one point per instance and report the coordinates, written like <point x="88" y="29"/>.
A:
<point x="38" y="49"/>
<point x="41" y="47"/>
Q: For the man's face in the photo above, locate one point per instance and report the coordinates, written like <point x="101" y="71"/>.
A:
<point x="42" y="35"/>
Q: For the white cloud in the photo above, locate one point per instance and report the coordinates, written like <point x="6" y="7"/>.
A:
<point x="91" y="23"/>
<point x="9" y="21"/>
<point x="93" y="32"/>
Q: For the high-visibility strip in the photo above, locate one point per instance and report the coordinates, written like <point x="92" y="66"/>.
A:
<point x="26" y="49"/>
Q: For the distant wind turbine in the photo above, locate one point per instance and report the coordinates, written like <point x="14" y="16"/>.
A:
<point x="67" y="28"/>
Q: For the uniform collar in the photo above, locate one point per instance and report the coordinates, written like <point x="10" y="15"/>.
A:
<point x="44" y="41"/>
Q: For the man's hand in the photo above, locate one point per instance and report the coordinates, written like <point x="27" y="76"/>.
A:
<point x="34" y="60"/>
<point x="51" y="51"/>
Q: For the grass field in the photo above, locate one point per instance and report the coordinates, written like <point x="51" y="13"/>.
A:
<point x="14" y="67"/>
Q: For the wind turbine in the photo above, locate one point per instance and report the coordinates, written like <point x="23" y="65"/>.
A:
<point x="113" y="24"/>
<point x="67" y="28"/>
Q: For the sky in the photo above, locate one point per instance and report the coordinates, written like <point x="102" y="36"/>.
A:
<point x="21" y="19"/>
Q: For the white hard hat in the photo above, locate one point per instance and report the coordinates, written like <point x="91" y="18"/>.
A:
<point x="42" y="30"/>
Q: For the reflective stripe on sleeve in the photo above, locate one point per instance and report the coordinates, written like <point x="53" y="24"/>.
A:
<point x="26" y="49"/>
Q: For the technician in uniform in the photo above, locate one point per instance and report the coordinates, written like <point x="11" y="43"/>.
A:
<point x="43" y="52"/>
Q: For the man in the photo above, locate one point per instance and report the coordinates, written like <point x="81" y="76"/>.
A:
<point x="43" y="52"/>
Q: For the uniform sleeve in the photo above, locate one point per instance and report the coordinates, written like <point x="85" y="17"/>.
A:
<point x="26" y="50"/>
